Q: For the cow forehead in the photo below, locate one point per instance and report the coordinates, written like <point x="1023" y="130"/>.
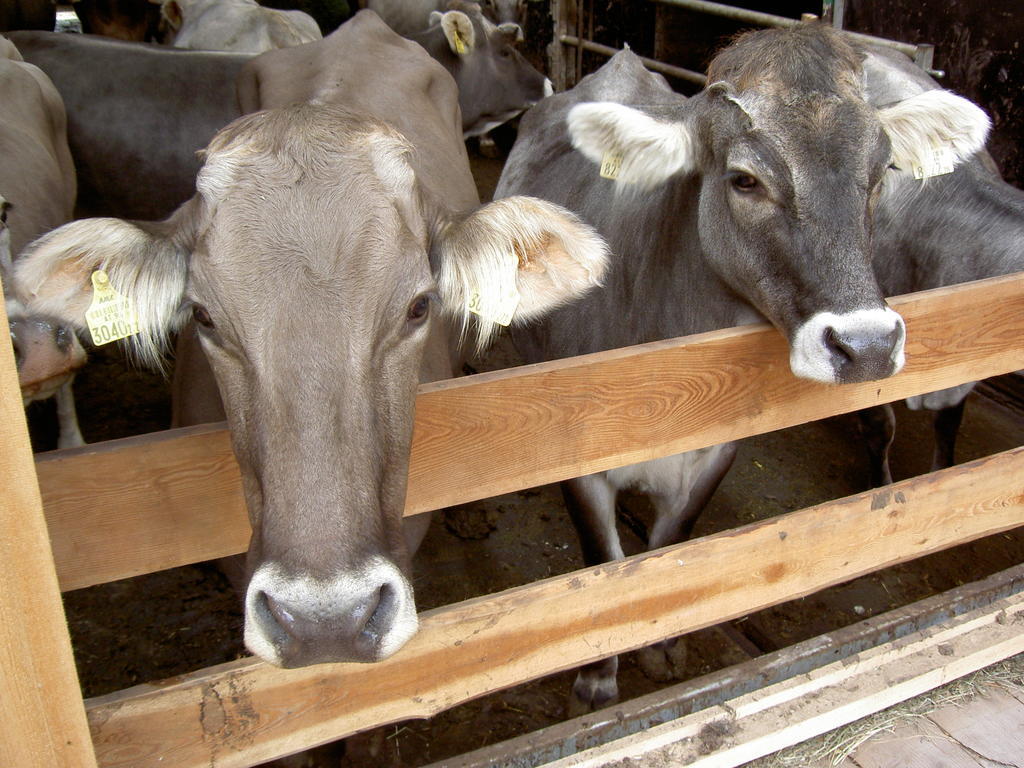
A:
<point x="320" y="211"/>
<point x="813" y="129"/>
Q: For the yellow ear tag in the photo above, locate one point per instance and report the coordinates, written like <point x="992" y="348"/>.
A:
<point x="111" y="316"/>
<point x="460" y="45"/>
<point x="939" y="161"/>
<point x="505" y="307"/>
<point x="610" y="165"/>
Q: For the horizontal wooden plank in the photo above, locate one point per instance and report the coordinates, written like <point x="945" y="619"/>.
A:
<point x="778" y="716"/>
<point x="597" y="729"/>
<point x="483" y="645"/>
<point x="133" y="506"/>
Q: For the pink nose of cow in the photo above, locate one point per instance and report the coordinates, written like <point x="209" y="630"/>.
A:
<point x="294" y="622"/>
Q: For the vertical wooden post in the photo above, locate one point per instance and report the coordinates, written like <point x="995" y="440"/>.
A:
<point x="556" y="51"/>
<point x="42" y="717"/>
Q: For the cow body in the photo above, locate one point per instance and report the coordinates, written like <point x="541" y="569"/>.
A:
<point x="948" y="229"/>
<point x="317" y="259"/>
<point x="748" y="201"/>
<point x="137" y="115"/>
<point x="241" y="26"/>
<point x="37" y="194"/>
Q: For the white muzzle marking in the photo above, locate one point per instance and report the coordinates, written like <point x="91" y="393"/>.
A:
<point x="324" y="599"/>
<point x="810" y="357"/>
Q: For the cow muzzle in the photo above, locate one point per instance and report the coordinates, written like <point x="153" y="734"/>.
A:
<point x="295" y="621"/>
<point x="863" y="345"/>
<point x="47" y="354"/>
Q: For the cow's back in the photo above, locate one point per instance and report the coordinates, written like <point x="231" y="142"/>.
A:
<point x="368" y="68"/>
<point x="137" y="116"/>
<point x="36" y="172"/>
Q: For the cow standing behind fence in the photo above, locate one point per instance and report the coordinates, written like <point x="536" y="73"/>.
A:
<point x="750" y="200"/>
<point x="37" y="194"/>
<point x="324" y="243"/>
<point x="960" y="224"/>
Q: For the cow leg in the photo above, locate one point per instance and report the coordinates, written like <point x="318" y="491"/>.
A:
<point x="878" y="428"/>
<point x="947" y="425"/>
<point x="591" y="504"/>
<point x="69" y="433"/>
<point x="676" y="514"/>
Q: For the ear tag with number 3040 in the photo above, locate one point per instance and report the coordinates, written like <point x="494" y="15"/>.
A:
<point x="506" y="304"/>
<point x="111" y="316"/>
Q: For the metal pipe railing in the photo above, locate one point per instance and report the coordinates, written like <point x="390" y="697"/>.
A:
<point x="922" y="54"/>
<point x="652" y="64"/>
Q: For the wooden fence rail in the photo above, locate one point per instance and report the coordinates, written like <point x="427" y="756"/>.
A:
<point x="142" y="504"/>
<point x="133" y="506"/>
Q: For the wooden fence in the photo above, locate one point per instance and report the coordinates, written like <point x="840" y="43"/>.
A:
<point x="132" y="506"/>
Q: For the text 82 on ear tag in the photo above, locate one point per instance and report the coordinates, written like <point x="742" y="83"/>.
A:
<point x="111" y="316"/>
<point x="610" y="165"/>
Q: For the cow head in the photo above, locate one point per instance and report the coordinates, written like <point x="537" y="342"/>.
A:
<point x="47" y="353"/>
<point x="790" y="158"/>
<point x="495" y="82"/>
<point x="317" y="269"/>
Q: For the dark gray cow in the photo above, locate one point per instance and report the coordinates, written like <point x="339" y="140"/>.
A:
<point x="324" y="243"/>
<point x="37" y="194"/>
<point x="748" y="201"/>
<point x="496" y="82"/>
<point x="951" y="228"/>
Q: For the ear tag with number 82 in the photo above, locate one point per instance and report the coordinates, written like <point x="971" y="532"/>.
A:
<point x="111" y="316"/>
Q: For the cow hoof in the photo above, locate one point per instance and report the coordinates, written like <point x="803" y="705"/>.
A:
<point x="664" y="661"/>
<point x="590" y="694"/>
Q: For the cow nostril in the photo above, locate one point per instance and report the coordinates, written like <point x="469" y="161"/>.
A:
<point x="19" y="356"/>
<point x="284" y="619"/>
<point x="380" y="618"/>
<point x="840" y="351"/>
<point x="62" y="337"/>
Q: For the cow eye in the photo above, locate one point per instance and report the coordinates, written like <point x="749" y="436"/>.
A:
<point x="418" y="310"/>
<point x="201" y="316"/>
<point x="743" y="182"/>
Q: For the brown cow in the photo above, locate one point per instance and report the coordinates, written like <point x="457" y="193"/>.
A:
<point x="325" y="242"/>
<point x="37" y="194"/>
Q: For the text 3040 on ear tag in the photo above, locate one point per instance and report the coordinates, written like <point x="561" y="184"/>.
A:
<point x="111" y="316"/>
<point x="610" y="165"/>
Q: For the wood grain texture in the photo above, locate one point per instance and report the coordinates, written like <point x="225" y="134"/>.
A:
<point x="42" y="719"/>
<point x="132" y="506"/>
<point x="483" y="645"/>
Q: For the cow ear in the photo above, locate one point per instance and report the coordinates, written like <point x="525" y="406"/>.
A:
<point x="512" y="32"/>
<point x="53" y="276"/>
<point x="934" y="126"/>
<point x="171" y="13"/>
<point x="458" y="30"/>
<point x="515" y="259"/>
<point x="631" y="147"/>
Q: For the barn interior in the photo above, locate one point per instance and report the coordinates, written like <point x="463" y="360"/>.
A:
<point x="168" y="623"/>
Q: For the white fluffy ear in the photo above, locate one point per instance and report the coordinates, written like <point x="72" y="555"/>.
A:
<point x="631" y="147"/>
<point x="514" y="260"/>
<point x="53" y="276"/>
<point x="930" y="122"/>
<point x="458" y="29"/>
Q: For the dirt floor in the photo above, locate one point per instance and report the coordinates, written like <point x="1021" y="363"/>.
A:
<point x="172" y="622"/>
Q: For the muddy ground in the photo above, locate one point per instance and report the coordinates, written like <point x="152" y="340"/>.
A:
<point x="179" y="620"/>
